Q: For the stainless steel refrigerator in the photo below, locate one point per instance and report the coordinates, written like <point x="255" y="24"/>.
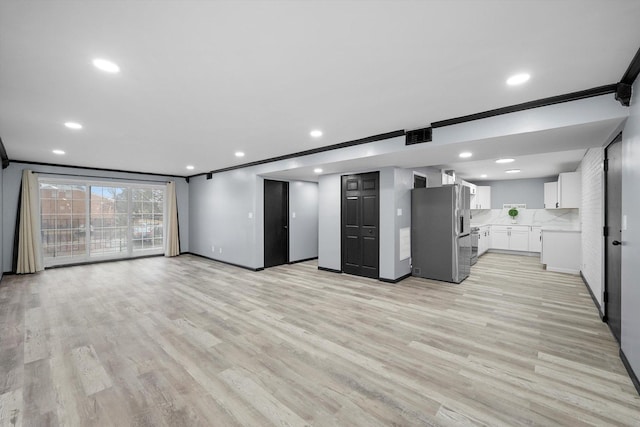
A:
<point x="440" y="227"/>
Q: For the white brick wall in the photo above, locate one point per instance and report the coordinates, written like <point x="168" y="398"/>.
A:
<point x="592" y="218"/>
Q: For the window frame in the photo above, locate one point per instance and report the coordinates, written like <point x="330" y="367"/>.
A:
<point x="88" y="256"/>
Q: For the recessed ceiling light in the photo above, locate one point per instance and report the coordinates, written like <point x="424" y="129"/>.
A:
<point x="316" y="133"/>
<point x="106" y="65"/>
<point x="518" y="79"/>
<point x="484" y="175"/>
<point x="190" y="167"/>
<point x="73" y="125"/>
<point x="513" y="171"/>
<point x="58" y="152"/>
<point x="239" y="154"/>
<point x="504" y="160"/>
<point x="317" y="170"/>
<point x="465" y="154"/>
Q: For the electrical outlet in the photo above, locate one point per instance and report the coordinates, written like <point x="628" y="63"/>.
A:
<point x="213" y="248"/>
<point x="220" y="249"/>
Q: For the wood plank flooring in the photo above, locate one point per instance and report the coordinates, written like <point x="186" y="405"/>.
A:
<point x="188" y="341"/>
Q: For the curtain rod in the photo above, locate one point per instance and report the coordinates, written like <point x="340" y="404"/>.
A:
<point x="100" y="177"/>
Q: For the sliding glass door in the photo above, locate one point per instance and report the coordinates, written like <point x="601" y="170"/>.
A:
<point x="84" y="221"/>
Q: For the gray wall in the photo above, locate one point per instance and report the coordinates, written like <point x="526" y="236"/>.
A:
<point x="227" y="218"/>
<point x="529" y="191"/>
<point x="303" y="236"/>
<point x="329" y="222"/>
<point x="630" y="339"/>
<point x="12" y="178"/>
<point x="222" y="217"/>
<point x="219" y="207"/>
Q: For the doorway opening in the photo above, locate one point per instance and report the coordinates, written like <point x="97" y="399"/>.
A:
<point x="276" y="223"/>
<point x="613" y="236"/>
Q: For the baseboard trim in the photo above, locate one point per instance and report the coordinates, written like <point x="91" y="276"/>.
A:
<point x="632" y="375"/>
<point x="223" y="262"/>
<point x="508" y="252"/>
<point x="330" y="270"/>
<point x="100" y="261"/>
<point x="382" y="279"/>
<point x="302" y="260"/>
<point x="593" y="297"/>
<point x="563" y="270"/>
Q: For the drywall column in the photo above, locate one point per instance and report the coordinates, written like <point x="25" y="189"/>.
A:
<point x="329" y="250"/>
<point x="386" y="229"/>
<point x="630" y="340"/>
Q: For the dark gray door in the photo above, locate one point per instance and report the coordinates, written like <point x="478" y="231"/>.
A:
<point x="276" y="223"/>
<point x="613" y="234"/>
<point x="360" y="222"/>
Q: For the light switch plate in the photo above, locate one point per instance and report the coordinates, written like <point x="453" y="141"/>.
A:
<point x="293" y="214"/>
<point x="624" y="222"/>
<point x="250" y="215"/>
<point x="399" y="211"/>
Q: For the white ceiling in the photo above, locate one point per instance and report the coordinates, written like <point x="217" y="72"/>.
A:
<point x="201" y="80"/>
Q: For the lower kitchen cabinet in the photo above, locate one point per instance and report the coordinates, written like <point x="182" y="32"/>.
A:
<point x="535" y="239"/>
<point x="484" y="239"/>
<point x="561" y="250"/>
<point x="511" y="238"/>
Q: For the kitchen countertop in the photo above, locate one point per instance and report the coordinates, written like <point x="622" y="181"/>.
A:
<point x="559" y="228"/>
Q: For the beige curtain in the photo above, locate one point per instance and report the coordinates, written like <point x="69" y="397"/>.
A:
<point x="29" y="240"/>
<point x="172" y="239"/>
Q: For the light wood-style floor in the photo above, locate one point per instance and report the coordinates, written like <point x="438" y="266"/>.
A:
<point x="188" y="341"/>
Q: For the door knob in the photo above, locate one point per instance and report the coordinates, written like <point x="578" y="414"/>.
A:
<point x="616" y="243"/>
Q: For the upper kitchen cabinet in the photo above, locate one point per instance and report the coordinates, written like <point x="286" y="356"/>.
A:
<point x="565" y="193"/>
<point x="551" y="195"/>
<point x="569" y="190"/>
<point x="482" y="198"/>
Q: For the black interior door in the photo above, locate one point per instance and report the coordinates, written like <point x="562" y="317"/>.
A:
<point x="276" y="223"/>
<point x="613" y="235"/>
<point x="360" y="223"/>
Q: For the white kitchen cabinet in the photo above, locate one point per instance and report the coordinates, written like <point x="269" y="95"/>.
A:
<point x="499" y="237"/>
<point x="535" y="239"/>
<point x="561" y="250"/>
<point x="551" y="195"/>
<point x="569" y="190"/>
<point x="482" y="198"/>
<point x="519" y="239"/>
<point x="510" y="238"/>
<point x="484" y="239"/>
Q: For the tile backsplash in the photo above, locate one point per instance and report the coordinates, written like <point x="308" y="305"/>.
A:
<point x="543" y="217"/>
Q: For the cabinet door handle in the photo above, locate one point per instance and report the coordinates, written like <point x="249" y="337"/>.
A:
<point x="557" y="204"/>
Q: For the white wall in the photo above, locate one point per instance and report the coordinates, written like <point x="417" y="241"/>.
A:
<point x="12" y="178"/>
<point x="630" y="339"/>
<point x="303" y="220"/>
<point x="592" y="218"/>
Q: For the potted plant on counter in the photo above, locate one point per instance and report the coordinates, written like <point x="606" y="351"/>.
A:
<point x="513" y="213"/>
